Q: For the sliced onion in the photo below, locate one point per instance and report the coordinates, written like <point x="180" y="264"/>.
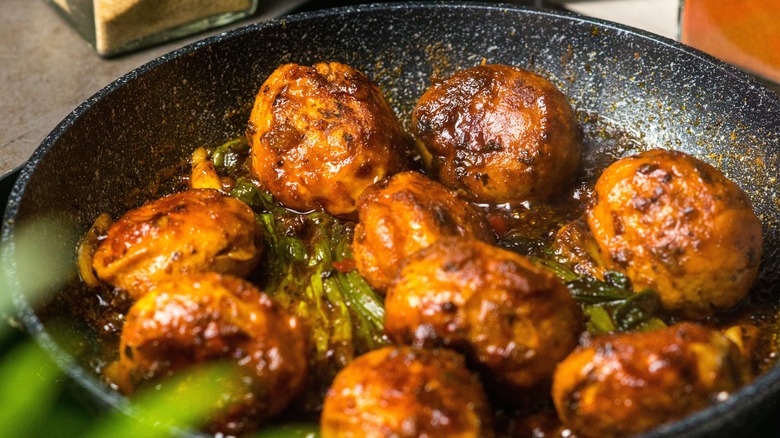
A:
<point x="87" y="247"/>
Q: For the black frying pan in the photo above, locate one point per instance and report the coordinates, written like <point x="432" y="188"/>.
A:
<point x="660" y="91"/>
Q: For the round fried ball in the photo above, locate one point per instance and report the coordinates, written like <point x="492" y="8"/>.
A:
<point x="678" y="226"/>
<point x="320" y="135"/>
<point x="513" y="320"/>
<point x="406" y="392"/>
<point x="190" y="231"/>
<point x="624" y="384"/>
<point x="500" y="133"/>
<point x="403" y="214"/>
<point x="204" y="317"/>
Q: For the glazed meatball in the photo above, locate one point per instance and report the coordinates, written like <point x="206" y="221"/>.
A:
<point x="678" y="226"/>
<point x="406" y="392"/>
<point x="190" y="231"/>
<point x="403" y="214"/>
<point x="320" y="135"/>
<point x="513" y="320"/>
<point x="203" y="317"/>
<point x="623" y="384"/>
<point x="501" y="133"/>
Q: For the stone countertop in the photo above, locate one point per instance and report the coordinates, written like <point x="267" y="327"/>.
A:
<point x="656" y="16"/>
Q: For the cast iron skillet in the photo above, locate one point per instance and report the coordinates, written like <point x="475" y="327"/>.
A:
<point x="664" y="93"/>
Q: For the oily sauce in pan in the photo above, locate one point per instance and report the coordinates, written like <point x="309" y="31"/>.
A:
<point x="541" y="228"/>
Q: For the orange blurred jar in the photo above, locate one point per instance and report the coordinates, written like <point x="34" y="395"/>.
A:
<point x="745" y="33"/>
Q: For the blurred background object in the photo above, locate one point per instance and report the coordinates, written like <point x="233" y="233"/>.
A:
<point x="745" y="33"/>
<point x="116" y="26"/>
<point x="656" y="16"/>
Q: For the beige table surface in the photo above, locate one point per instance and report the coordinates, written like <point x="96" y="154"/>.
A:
<point x="656" y="16"/>
<point x="46" y="69"/>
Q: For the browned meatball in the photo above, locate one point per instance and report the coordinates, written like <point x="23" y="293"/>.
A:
<point x="320" y="135"/>
<point x="204" y="317"/>
<point x="194" y="230"/>
<point x="404" y="213"/>
<point x="512" y="319"/>
<point x="623" y="384"/>
<point x="677" y="225"/>
<point x="501" y="133"/>
<point x="406" y="392"/>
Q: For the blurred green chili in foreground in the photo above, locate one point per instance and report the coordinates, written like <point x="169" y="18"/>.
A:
<point x="32" y="385"/>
